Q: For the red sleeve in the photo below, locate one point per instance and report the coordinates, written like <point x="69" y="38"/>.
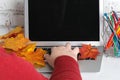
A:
<point x="13" y="67"/>
<point x="66" y="68"/>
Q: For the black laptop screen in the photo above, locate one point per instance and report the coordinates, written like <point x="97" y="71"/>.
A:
<point x="63" y="20"/>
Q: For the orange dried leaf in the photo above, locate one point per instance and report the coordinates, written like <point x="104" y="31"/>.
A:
<point x="16" y="43"/>
<point x="13" y="33"/>
<point x="34" y="57"/>
<point x="87" y="46"/>
<point x="29" y="48"/>
<point x="93" y="53"/>
<point x="87" y="51"/>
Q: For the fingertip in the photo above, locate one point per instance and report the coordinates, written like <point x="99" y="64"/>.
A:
<point x="68" y="45"/>
<point x="46" y="56"/>
<point x="76" y="50"/>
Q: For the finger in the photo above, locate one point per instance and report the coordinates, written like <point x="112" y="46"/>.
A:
<point x="53" y="48"/>
<point x="68" y="45"/>
<point x="46" y="56"/>
<point x="76" y="50"/>
<point x="48" y="59"/>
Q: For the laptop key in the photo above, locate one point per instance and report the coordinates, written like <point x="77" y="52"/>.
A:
<point x="48" y="50"/>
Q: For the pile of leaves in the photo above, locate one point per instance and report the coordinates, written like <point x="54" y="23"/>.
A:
<point x="15" y="41"/>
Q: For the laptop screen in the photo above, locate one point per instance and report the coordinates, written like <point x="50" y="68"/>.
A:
<point x="59" y="21"/>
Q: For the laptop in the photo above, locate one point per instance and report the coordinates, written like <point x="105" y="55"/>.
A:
<point x="54" y="23"/>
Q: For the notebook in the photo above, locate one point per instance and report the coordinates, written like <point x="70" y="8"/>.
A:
<point x="54" y="23"/>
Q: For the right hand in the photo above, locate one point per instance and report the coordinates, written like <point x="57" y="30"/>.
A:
<point x="61" y="51"/>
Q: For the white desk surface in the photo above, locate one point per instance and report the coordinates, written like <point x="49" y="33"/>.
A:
<point x="110" y="70"/>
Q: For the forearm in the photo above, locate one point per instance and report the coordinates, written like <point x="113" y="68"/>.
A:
<point x="13" y="67"/>
<point x="66" y="67"/>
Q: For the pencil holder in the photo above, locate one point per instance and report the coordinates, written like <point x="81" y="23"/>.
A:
<point x="116" y="51"/>
<point x="111" y="34"/>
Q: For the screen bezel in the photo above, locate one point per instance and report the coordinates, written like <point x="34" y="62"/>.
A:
<point x="57" y="43"/>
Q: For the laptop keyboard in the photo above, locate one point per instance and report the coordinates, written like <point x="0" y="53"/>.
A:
<point x="48" y="50"/>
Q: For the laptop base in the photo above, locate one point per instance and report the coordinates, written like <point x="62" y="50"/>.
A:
<point x="84" y="65"/>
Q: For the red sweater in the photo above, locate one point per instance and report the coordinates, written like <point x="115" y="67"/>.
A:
<point x="13" y="67"/>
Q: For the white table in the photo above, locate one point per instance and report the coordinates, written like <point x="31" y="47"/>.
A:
<point x="110" y="70"/>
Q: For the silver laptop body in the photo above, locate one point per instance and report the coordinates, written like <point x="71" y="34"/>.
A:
<point x="85" y="65"/>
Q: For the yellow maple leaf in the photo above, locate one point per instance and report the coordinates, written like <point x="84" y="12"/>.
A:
<point x="13" y="33"/>
<point x="35" y="57"/>
<point x="16" y="43"/>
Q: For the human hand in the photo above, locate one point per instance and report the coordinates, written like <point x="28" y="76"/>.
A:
<point x="61" y="51"/>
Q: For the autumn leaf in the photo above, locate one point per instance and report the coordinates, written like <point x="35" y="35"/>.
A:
<point x="36" y="57"/>
<point x="16" y="43"/>
<point x="87" y="51"/>
<point x="33" y="55"/>
<point x="13" y="33"/>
